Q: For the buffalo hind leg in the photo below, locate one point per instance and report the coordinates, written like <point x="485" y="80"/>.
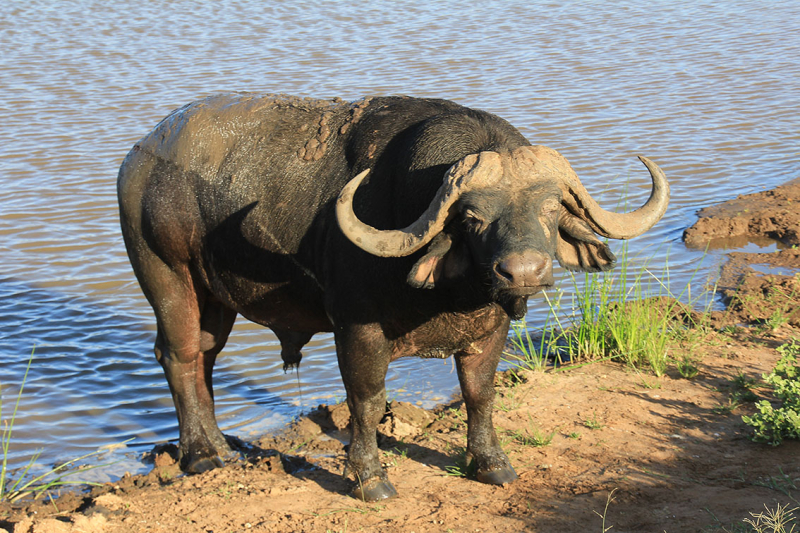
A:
<point x="192" y="329"/>
<point x="187" y="346"/>
<point x="216" y="322"/>
<point x="476" y="369"/>
<point x="363" y="361"/>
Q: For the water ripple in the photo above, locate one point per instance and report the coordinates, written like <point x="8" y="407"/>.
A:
<point x="708" y="90"/>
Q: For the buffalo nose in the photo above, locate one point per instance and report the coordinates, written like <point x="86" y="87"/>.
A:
<point x="529" y="269"/>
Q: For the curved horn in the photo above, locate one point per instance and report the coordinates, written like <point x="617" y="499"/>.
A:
<point x="618" y="225"/>
<point x="471" y="171"/>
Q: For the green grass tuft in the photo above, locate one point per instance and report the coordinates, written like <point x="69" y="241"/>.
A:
<point x="628" y="316"/>
<point x="460" y="467"/>
<point x="532" y="435"/>
<point x="594" y="422"/>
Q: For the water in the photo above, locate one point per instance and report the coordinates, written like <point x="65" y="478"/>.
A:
<point x="708" y="90"/>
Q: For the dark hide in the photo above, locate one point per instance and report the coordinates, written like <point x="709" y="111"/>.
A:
<point x="227" y="208"/>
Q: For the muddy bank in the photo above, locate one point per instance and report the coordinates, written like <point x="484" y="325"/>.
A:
<point x="757" y="288"/>
<point x="760" y="288"/>
<point x="651" y="454"/>
<point x="774" y="213"/>
<point x="671" y="453"/>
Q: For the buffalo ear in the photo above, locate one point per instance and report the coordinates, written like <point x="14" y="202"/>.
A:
<point x="443" y="260"/>
<point x="578" y="248"/>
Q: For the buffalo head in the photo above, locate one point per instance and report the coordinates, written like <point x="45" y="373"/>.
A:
<point x="518" y="211"/>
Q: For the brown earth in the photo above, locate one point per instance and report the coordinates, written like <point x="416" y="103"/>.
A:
<point x="628" y="449"/>
<point x="774" y="213"/>
<point x="756" y="287"/>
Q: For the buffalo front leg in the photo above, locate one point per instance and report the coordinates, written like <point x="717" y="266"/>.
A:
<point x="476" y="370"/>
<point x="363" y="361"/>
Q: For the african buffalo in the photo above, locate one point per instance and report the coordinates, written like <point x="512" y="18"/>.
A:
<point x="286" y="210"/>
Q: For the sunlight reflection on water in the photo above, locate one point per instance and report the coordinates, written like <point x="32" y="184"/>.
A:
<point x="702" y="89"/>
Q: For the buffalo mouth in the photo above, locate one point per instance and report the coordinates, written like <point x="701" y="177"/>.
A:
<point x="514" y="301"/>
<point x="521" y="292"/>
<point x="502" y="290"/>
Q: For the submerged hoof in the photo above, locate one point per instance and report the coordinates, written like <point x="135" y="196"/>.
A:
<point x="498" y="476"/>
<point x="373" y="490"/>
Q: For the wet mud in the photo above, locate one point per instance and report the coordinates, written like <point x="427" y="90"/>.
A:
<point x="757" y="288"/>
<point x="774" y="213"/>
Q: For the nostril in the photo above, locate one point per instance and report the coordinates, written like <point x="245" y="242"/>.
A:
<point x="504" y="270"/>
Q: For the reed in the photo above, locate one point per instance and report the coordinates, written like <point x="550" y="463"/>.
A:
<point x="630" y="315"/>
<point x="22" y="483"/>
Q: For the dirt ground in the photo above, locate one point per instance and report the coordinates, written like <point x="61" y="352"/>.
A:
<point x="628" y="449"/>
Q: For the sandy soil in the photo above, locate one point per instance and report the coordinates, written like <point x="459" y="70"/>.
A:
<point x="628" y="449"/>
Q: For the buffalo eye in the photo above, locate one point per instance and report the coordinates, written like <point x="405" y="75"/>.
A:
<point x="549" y="208"/>
<point x="473" y="222"/>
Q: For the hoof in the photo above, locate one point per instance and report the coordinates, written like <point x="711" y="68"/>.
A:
<point x="374" y="490"/>
<point x="203" y="464"/>
<point x="498" y="476"/>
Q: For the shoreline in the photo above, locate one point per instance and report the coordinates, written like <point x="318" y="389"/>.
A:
<point x="593" y="445"/>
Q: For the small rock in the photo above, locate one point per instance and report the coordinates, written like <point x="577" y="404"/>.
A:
<point x="163" y="459"/>
<point x="110" y="501"/>
<point x="340" y="416"/>
<point x="410" y="414"/>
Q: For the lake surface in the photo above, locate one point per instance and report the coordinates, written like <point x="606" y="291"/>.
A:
<point x="708" y="90"/>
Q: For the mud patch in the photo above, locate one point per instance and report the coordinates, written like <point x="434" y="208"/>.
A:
<point x="774" y="214"/>
<point x="757" y="288"/>
<point x="761" y="289"/>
